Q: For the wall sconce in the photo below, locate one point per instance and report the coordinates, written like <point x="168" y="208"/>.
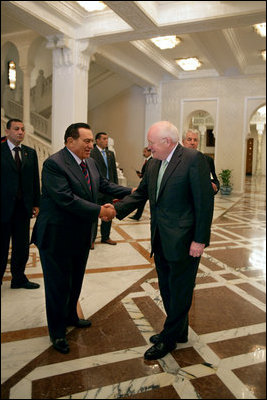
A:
<point x="12" y="75"/>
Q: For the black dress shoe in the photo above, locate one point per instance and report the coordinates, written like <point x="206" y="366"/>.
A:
<point x="61" y="345"/>
<point x="80" y="323"/>
<point x="159" y="350"/>
<point x="25" y="285"/>
<point x="135" y="218"/>
<point x="157" y="338"/>
<point x="109" y="241"/>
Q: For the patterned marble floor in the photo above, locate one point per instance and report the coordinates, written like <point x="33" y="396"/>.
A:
<point x="224" y="357"/>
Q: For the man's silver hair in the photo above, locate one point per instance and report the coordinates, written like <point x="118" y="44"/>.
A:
<point x="195" y="131"/>
<point x="170" y="130"/>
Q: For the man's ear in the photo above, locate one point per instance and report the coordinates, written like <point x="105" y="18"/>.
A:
<point x="69" y="140"/>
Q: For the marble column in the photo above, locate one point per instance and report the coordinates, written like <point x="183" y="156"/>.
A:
<point x="27" y="69"/>
<point x="153" y="108"/>
<point x="202" y="130"/>
<point x="260" y="129"/>
<point x="71" y="60"/>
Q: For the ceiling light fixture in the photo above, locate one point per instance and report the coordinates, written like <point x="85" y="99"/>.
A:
<point x="166" y="42"/>
<point x="92" y="5"/>
<point x="263" y="54"/>
<point x="188" y="64"/>
<point x="260" y="29"/>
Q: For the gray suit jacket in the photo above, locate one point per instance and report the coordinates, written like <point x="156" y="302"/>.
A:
<point x="66" y="199"/>
<point x="184" y="208"/>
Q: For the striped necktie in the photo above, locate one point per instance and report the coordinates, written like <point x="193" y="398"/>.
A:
<point x="86" y="174"/>
<point x="163" y="166"/>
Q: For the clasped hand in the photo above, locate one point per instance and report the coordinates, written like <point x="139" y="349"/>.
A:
<point x="196" y="249"/>
<point x="107" y="212"/>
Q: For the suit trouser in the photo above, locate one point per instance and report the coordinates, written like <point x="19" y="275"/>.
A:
<point x="18" y="230"/>
<point x="176" y="284"/>
<point x="140" y="210"/>
<point x="63" y="272"/>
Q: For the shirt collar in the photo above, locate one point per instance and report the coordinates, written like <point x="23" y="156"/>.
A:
<point x="171" y="153"/>
<point x="11" y="145"/>
<point x="100" y="149"/>
<point x="77" y="159"/>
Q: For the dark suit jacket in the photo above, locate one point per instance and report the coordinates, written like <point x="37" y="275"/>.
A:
<point x="184" y="208"/>
<point x="112" y="169"/>
<point x="66" y="199"/>
<point x="214" y="178"/>
<point x="30" y="181"/>
<point x="143" y="170"/>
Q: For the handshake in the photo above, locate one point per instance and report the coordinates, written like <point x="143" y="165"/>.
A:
<point x="107" y="212"/>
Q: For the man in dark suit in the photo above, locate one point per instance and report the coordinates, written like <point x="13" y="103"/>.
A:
<point x="177" y="184"/>
<point x="148" y="156"/>
<point x="191" y="140"/>
<point x="63" y="231"/>
<point x="20" y="197"/>
<point x="106" y="161"/>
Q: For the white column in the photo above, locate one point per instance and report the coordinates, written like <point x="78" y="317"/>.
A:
<point x="153" y="108"/>
<point x="71" y="60"/>
<point x="260" y="129"/>
<point x="26" y="97"/>
<point x="202" y="130"/>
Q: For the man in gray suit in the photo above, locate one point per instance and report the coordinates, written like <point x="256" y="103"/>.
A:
<point x="105" y="159"/>
<point x="63" y="231"/>
<point x="177" y="184"/>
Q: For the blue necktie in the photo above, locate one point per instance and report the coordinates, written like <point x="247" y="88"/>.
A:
<point x="106" y="161"/>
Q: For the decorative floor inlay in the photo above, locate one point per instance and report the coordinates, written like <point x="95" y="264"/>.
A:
<point x="224" y="357"/>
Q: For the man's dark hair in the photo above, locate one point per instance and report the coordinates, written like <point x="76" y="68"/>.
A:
<point x="99" y="134"/>
<point x="73" y="130"/>
<point x="9" y="122"/>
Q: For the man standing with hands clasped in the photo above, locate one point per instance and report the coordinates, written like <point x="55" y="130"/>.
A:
<point x="20" y="198"/>
<point x="63" y="231"/>
<point x="107" y="166"/>
<point x="177" y="184"/>
<point x="147" y="154"/>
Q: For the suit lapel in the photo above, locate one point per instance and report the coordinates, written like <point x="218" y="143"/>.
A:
<point x="76" y="170"/>
<point x="8" y="155"/>
<point x="24" y="156"/>
<point x="174" y="162"/>
<point x="154" y="178"/>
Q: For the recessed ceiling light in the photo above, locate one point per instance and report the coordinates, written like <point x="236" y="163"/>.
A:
<point x="188" y="64"/>
<point x="92" y="5"/>
<point x="260" y="29"/>
<point x="166" y="42"/>
<point x="263" y="54"/>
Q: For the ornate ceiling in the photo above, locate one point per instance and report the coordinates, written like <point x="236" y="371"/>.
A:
<point x="219" y="33"/>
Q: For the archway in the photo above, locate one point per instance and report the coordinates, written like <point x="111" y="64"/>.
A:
<point x="203" y="121"/>
<point x="256" y="143"/>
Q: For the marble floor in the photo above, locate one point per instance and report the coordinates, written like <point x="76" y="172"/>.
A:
<point x="224" y="357"/>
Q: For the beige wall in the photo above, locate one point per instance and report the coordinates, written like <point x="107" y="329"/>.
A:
<point x="227" y="97"/>
<point x="123" y="118"/>
<point x="228" y="100"/>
